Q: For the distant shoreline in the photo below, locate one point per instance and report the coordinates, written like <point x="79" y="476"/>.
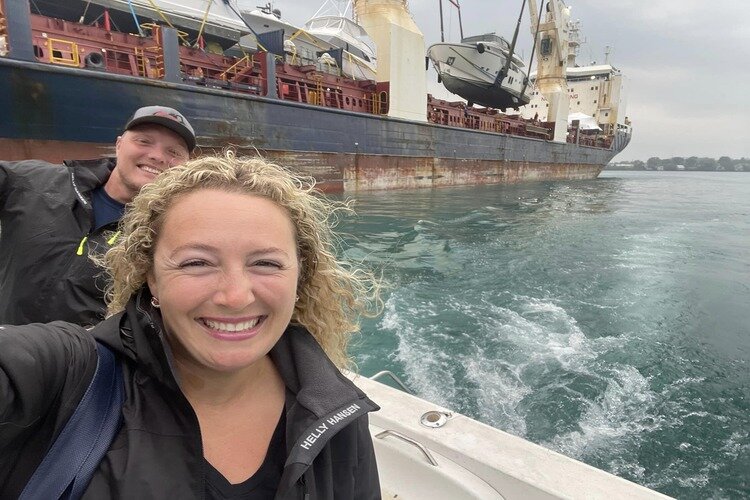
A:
<point x="683" y="164"/>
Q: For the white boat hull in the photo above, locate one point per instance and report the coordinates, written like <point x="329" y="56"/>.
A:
<point x="475" y="461"/>
<point x="470" y="70"/>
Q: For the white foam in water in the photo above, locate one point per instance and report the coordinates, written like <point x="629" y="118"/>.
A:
<point x="651" y="252"/>
<point x="425" y="365"/>
<point x="508" y="343"/>
<point x="624" y="468"/>
<point x="623" y="412"/>
<point x="736" y="444"/>
<point x="500" y="391"/>
<point x="546" y="331"/>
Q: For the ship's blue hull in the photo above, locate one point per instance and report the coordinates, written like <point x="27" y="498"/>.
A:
<point x="45" y="104"/>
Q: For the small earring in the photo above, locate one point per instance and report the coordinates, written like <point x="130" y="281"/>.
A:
<point x="296" y="299"/>
<point x="155" y="302"/>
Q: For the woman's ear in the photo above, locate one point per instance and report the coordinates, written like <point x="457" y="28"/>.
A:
<point x="151" y="282"/>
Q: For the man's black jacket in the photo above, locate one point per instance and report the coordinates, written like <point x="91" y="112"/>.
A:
<point x="46" y="237"/>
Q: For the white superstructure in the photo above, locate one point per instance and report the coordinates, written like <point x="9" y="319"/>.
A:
<point x="596" y="90"/>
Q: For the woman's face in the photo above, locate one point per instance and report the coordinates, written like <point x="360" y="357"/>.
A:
<point x="225" y="274"/>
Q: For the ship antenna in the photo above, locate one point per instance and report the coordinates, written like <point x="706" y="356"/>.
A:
<point x="460" y="23"/>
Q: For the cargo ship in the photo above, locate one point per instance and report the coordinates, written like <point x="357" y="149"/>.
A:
<point x="70" y="74"/>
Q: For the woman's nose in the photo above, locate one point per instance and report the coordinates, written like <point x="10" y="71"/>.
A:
<point x="235" y="291"/>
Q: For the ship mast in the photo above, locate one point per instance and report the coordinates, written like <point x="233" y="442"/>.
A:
<point x="552" y="62"/>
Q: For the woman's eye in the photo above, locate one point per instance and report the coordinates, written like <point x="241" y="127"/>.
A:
<point x="268" y="263"/>
<point x="194" y="263"/>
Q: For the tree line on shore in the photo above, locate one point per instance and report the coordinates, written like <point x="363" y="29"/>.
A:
<point x="695" y="163"/>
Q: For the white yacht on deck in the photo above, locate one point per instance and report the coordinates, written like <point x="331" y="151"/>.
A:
<point x="335" y="26"/>
<point x="306" y="45"/>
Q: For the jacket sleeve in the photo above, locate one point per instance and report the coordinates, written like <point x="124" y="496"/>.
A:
<point x="10" y="171"/>
<point x="43" y="369"/>
<point x="26" y="174"/>
<point x="367" y="482"/>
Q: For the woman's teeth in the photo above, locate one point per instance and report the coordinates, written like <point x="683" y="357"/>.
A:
<point x="230" y="327"/>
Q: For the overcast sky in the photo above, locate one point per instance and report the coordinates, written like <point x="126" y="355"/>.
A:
<point x="686" y="62"/>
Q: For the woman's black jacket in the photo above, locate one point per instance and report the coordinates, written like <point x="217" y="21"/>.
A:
<point x="44" y="370"/>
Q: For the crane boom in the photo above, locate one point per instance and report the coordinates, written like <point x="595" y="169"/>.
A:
<point x="552" y="58"/>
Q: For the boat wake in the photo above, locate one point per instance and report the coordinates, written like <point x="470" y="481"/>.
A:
<point x="527" y="368"/>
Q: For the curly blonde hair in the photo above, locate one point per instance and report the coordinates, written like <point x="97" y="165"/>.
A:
<point x="332" y="294"/>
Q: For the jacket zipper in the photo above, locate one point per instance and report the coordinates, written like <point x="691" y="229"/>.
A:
<point x="188" y="407"/>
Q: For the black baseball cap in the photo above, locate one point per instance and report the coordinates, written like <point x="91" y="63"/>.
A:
<point x="166" y="117"/>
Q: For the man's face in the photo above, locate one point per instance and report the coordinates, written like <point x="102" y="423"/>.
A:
<point x="143" y="152"/>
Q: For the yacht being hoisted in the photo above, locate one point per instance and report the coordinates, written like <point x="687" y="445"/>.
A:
<point x="482" y="69"/>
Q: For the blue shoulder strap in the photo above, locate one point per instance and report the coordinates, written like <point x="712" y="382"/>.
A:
<point x="70" y="463"/>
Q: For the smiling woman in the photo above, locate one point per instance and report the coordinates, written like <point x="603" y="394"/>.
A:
<point x="225" y="274"/>
<point x="331" y="295"/>
<point x="229" y="315"/>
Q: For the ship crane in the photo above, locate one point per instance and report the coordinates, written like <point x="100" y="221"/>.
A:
<point x="552" y="61"/>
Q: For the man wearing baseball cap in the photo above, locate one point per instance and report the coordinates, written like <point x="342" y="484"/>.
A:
<point x="54" y="217"/>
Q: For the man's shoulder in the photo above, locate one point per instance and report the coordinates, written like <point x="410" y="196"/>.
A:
<point x="70" y="178"/>
<point x="105" y="164"/>
<point x="30" y="165"/>
<point x="29" y="174"/>
<point x="92" y="164"/>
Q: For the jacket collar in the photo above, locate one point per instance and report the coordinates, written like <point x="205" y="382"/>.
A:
<point x="321" y="400"/>
<point x="87" y="175"/>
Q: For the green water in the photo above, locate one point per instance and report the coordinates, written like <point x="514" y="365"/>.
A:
<point x="608" y="320"/>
